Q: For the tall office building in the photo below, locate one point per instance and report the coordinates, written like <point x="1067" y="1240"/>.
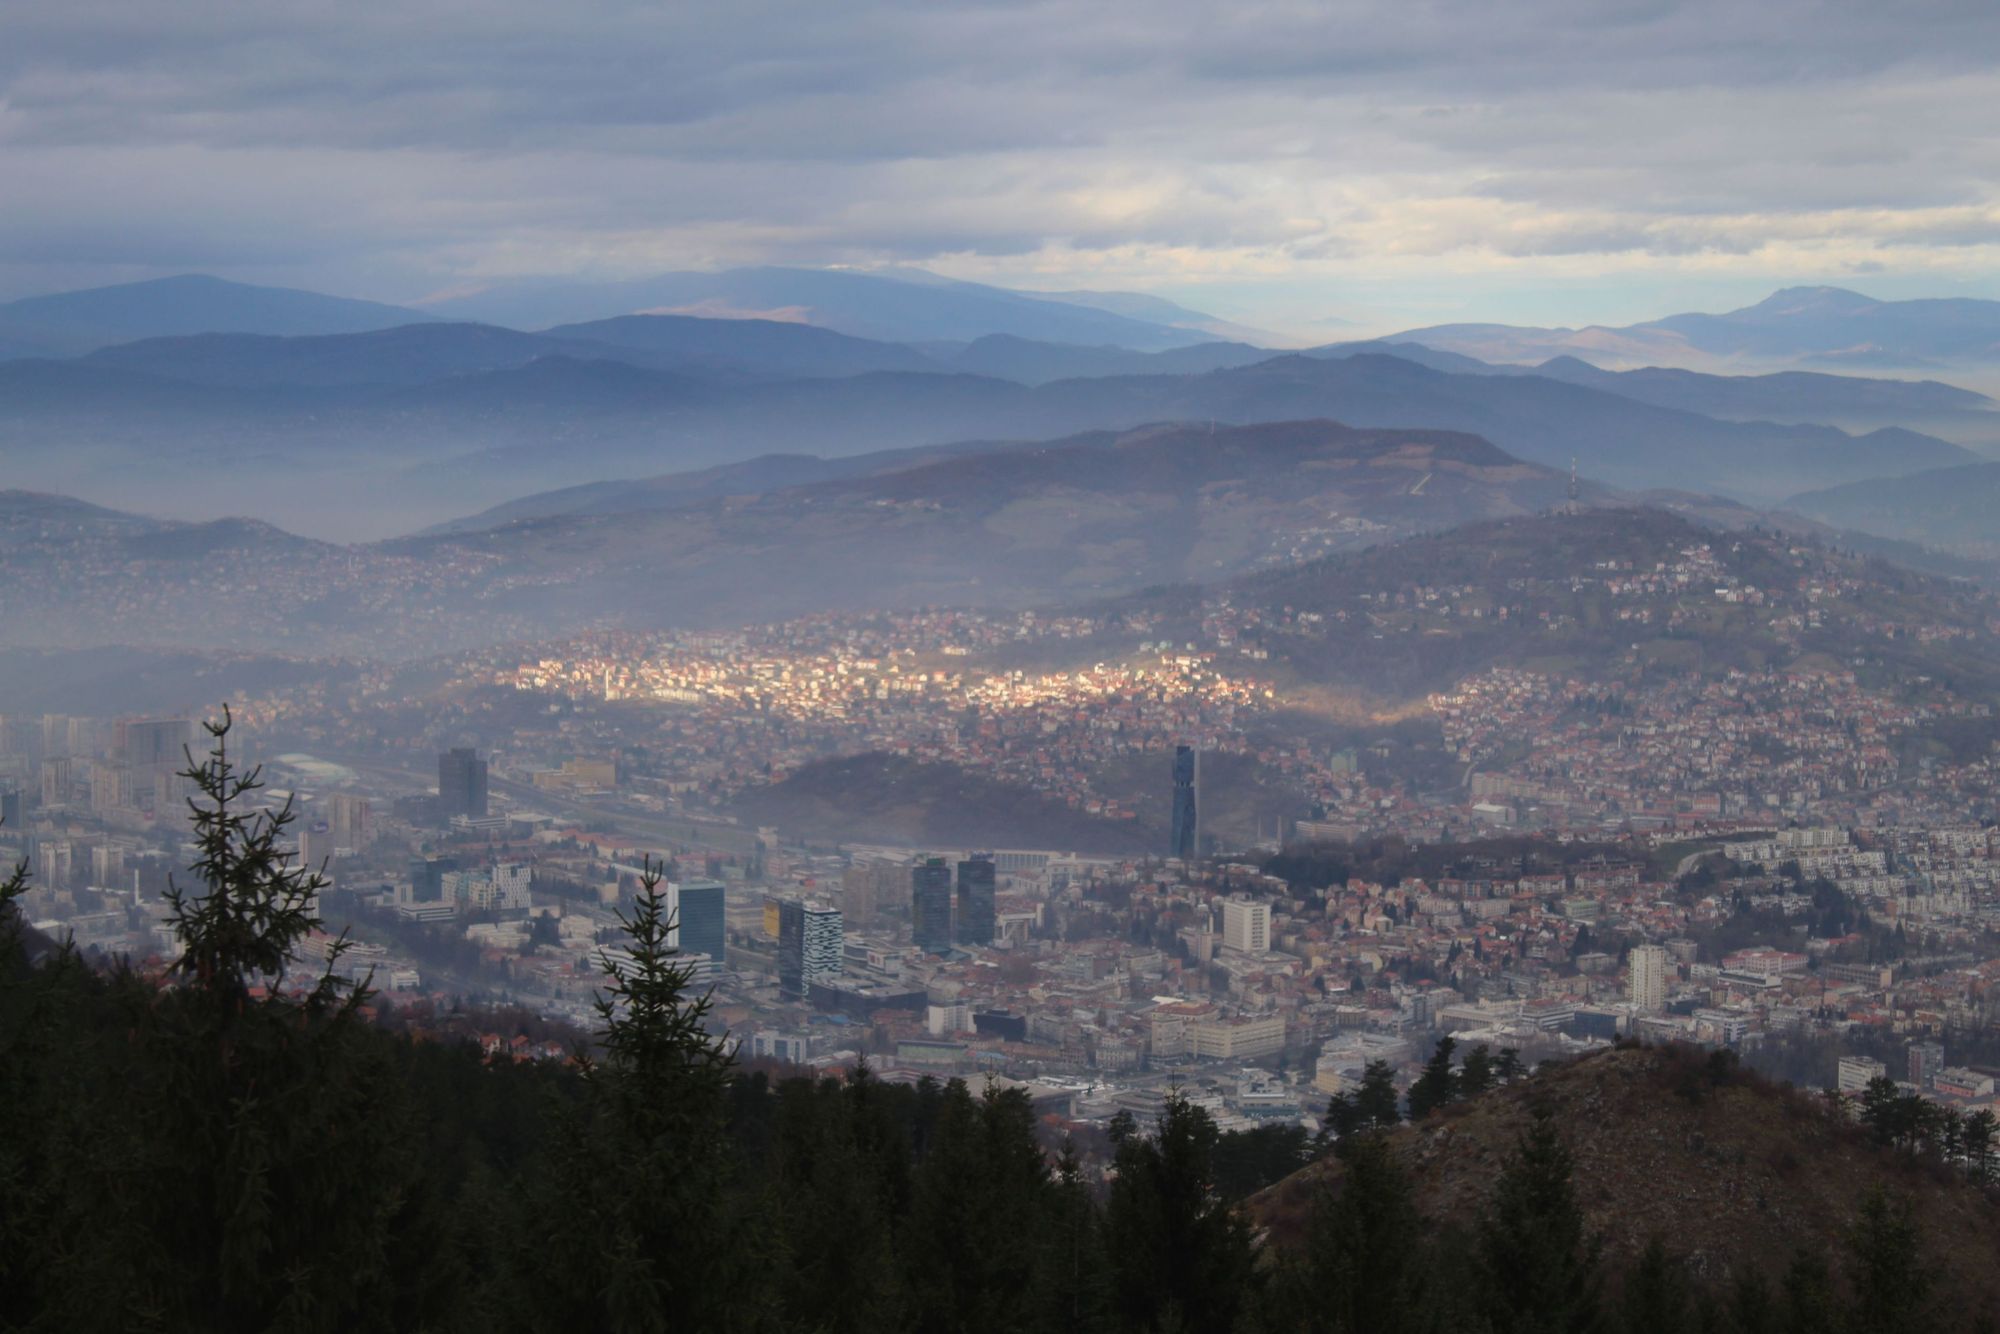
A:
<point x="975" y="902"/>
<point x="1246" y="925"/>
<point x="1186" y="827"/>
<point x="461" y="784"/>
<point x="696" y="908"/>
<point x="791" y="947"/>
<point x="811" y="945"/>
<point x="152" y="741"/>
<point x="930" y="905"/>
<point x="823" y="944"/>
<point x="1648" y="981"/>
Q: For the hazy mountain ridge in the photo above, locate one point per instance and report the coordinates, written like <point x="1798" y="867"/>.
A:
<point x="73" y="322"/>
<point x="1012" y="526"/>
<point x="1030" y="362"/>
<point x="1800" y="326"/>
<point x="435" y="418"/>
<point x="1957" y="509"/>
<point x="1797" y="397"/>
<point x="868" y="305"/>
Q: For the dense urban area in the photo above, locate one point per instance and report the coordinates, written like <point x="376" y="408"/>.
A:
<point x="1742" y="860"/>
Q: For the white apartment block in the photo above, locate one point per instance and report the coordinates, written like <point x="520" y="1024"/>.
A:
<point x="1246" y="925"/>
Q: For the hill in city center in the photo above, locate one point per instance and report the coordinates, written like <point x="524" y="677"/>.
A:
<point x="883" y="798"/>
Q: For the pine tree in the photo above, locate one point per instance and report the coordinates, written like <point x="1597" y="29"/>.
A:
<point x="1342" y="1120"/>
<point x="1071" y="1296"/>
<point x="1891" y="1283"/>
<point x="1539" y="1265"/>
<point x="1179" y="1258"/>
<point x="1979" y="1141"/>
<point x="1477" y="1075"/>
<point x="839" y="1271"/>
<point x="634" y="1232"/>
<point x="982" y="1209"/>
<point x="1375" y="1101"/>
<point x="1365" y="1258"/>
<point x="1435" y="1087"/>
<point x="1655" y="1297"/>
<point x="275" y="1133"/>
<point x="1811" y="1305"/>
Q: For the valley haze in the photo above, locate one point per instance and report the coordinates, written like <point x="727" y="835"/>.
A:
<point x="1022" y="668"/>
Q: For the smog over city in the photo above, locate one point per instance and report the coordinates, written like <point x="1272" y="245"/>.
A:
<point x="1014" y="666"/>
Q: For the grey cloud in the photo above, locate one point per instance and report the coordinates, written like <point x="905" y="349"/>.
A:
<point x="441" y="137"/>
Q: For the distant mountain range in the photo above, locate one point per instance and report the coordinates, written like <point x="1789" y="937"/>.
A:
<point x="727" y="351"/>
<point x="429" y="418"/>
<point x="67" y="323"/>
<point x="1955" y="509"/>
<point x="374" y="430"/>
<point x="895" y="306"/>
<point x="1826" y="327"/>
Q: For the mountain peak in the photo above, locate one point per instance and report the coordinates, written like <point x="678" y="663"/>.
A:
<point x="1814" y="301"/>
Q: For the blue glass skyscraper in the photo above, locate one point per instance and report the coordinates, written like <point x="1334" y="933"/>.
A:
<point x="976" y="917"/>
<point x="1186" y="835"/>
<point x="930" y="905"/>
<point x="698" y="918"/>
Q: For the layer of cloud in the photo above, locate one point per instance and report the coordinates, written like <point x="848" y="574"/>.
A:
<point x="405" y="147"/>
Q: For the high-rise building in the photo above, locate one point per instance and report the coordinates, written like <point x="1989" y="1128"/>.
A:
<point x="975" y="902"/>
<point x="791" y="947"/>
<point x="1926" y="1059"/>
<point x="1648" y="983"/>
<point x="144" y="741"/>
<point x="57" y="779"/>
<point x="811" y="945"/>
<point x="461" y="784"/>
<point x="1852" y="1074"/>
<point x="352" y="821"/>
<point x="1186" y="837"/>
<point x="824" y="944"/>
<point x="870" y="887"/>
<point x="930" y="905"/>
<point x="1246" y="925"/>
<point x="111" y="786"/>
<point x="513" y="887"/>
<point x="315" y="844"/>
<point x="696" y="907"/>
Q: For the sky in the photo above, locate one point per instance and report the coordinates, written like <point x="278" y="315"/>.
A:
<point x="1311" y="168"/>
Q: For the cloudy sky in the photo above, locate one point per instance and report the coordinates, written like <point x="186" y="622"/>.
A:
<point x="1385" y="163"/>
